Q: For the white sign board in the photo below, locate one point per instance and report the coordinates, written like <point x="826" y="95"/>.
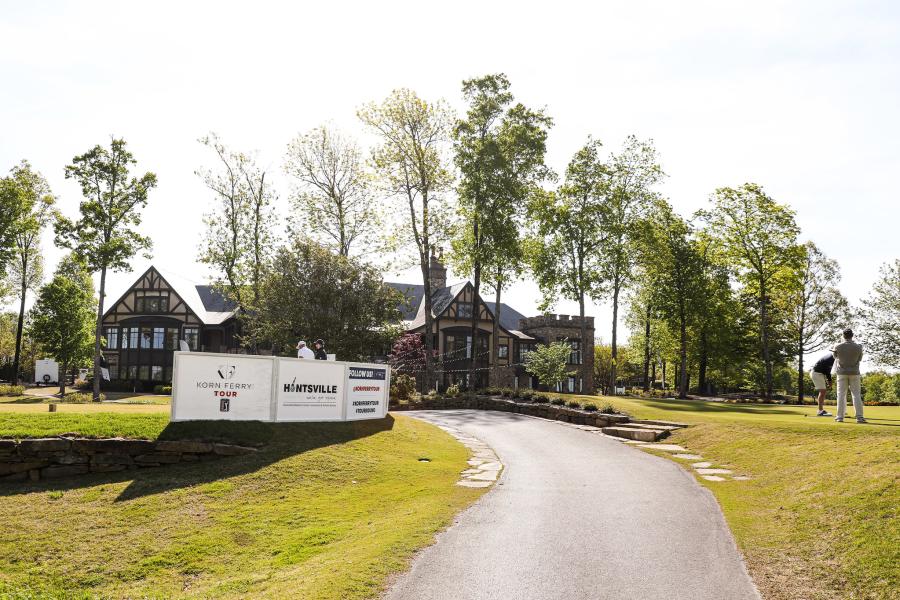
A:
<point x="368" y="389"/>
<point x="309" y="390"/>
<point x="240" y="387"/>
<point x="222" y="387"/>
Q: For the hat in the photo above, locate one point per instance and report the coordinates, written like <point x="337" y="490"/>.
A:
<point x="301" y="343"/>
<point x="320" y="342"/>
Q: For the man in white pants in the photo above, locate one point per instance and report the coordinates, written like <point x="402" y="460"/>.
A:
<point x="847" y="356"/>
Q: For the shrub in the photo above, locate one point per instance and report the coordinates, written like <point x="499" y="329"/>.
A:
<point x="452" y="391"/>
<point x="12" y="390"/>
<point x="432" y="395"/>
<point x="539" y="398"/>
<point x="506" y="393"/>
<point x="491" y="391"/>
<point x="608" y="409"/>
<point x="526" y="394"/>
<point x="80" y="398"/>
<point x="557" y="401"/>
<point x="403" y="386"/>
<point x="573" y="404"/>
<point x="590" y="407"/>
<point x="164" y="390"/>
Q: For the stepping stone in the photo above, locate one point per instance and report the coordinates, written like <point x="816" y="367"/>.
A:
<point x="700" y="465"/>
<point x="666" y="447"/>
<point x="741" y="478"/>
<point x="484" y="476"/>
<point x="470" y="472"/>
<point x="491" y="466"/>
<point x="714" y="471"/>
<point x="658" y="422"/>
<point x="641" y="435"/>
<point x="474" y="484"/>
<point x="688" y="456"/>
<point x="713" y="478"/>
<point x="477" y="461"/>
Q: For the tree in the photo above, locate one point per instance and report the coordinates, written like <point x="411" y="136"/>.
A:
<point x="35" y="209"/>
<point x="758" y="236"/>
<point x="565" y="253"/>
<point x="631" y="176"/>
<point x="816" y="308"/>
<point x="333" y="199"/>
<point x="239" y="228"/>
<point x="411" y="165"/>
<point x="62" y="318"/>
<point x="105" y="237"/>
<point x="308" y="292"/>
<point x="881" y="313"/>
<point x="548" y="363"/>
<point x="13" y="199"/>
<point x="500" y="151"/>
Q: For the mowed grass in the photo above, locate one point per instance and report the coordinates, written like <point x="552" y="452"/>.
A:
<point x="820" y="517"/>
<point x="325" y="510"/>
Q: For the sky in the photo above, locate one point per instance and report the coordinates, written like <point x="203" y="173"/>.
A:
<point x="800" y="97"/>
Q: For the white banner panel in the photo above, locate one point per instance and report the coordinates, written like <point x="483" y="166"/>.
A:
<point x="221" y="387"/>
<point x="368" y="388"/>
<point x="309" y="390"/>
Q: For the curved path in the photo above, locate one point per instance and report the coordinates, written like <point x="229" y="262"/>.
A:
<point x="577" y="515"/>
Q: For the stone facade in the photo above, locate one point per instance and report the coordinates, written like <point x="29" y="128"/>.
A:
<point x="45" y="458"/>
<point x="550" y="328"/>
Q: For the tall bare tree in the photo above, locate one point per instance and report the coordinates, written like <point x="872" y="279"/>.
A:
<point x="332" y="199"/>
<point x="412" y="165"/>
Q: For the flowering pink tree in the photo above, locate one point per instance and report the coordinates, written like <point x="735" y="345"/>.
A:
<point x="408" y="354"/>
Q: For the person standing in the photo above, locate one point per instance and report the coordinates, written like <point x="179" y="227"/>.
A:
<point x="303" y="351"/>
<point x="821" y="378"/>
<point x="847" y="355"/>
<point x="320" y="350"/>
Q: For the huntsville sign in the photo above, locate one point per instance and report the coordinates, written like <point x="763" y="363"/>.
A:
<point x="208" y="386"/>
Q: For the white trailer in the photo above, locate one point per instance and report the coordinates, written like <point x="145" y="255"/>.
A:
<point x="46" y="371"/>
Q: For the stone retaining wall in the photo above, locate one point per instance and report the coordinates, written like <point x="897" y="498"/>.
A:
<point x="546" y="411"/>
<point x="35" y="459"/>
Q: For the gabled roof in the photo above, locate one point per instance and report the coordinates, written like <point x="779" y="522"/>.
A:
<point x="413" y="292"/>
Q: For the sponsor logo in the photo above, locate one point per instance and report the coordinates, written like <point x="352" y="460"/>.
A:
<point x="309" y="388"/>
<point x="226" y="371"/>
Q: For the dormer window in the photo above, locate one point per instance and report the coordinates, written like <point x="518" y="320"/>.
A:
<point x="151" y="304"/>
<point x="464" y="310"/>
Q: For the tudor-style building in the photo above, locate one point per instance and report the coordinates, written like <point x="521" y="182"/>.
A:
<point x="143" y="328"/>
<point x="453" y="310"/>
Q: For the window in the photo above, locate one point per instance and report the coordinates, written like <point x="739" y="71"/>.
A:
<point x="151" y="304"/>
<point x="146" y="337"/>
<point x="524" y="349"/>
<point x="167" y="374"/>
<point x="575" y="354"/>
<point x="159" y="337"/>
<point x="112" y="338"/>
<point x="133" y="335"/>
<point x="464" y="310"/>
<point x="156" y="373"/>
<point x="113" y="372"/>
<point x="144" y="372"/>
<point x="571" y="383"/>
<point x="172" y="338"/>
<point x="132" y="371"/>
<point x="192" y="337"/>
<point x="503" y="351"/>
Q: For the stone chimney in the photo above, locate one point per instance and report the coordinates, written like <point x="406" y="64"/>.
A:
<point x="437" y="272"/>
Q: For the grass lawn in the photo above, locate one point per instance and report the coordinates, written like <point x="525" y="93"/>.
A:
<point x="326" y="510"/>
<point x="820" y="517"/>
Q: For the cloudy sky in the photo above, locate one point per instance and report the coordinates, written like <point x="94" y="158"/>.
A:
<point x="801" y="97"/>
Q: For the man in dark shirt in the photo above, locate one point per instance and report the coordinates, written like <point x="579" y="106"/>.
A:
<point x="821" y="377"/>
<point x="320" y="350"/>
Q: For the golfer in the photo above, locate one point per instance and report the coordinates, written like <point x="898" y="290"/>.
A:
<point x="821" y="378"/>
<point x="303" y="351"/>
<point x="847" y="355"/>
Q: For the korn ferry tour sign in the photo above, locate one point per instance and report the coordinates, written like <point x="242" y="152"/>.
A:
<point x="241" y="387"/>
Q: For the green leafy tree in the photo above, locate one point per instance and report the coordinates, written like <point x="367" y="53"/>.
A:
<point x="881" y="313"/>
<point x="333" y="199"/>
<point x="412" y="166"/>
<point x="62" y="318"/>
<point x="35" y="210"/>
<point x="239" y="227"/>
<point x="564" y="253"/>
<point x="629" y="193"/>
<point x="758" y="236"/>
<point x="105" y="237"/>
<point x="548" y="363"/>
<point x="309" y="292"/>
<point x="815" y="309"/>
<point x="500" y="151"/>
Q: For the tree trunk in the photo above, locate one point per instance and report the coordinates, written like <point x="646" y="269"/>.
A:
<point x="647" y="350"/>
<point x="682" y="375"/>
<point x="585" y="364"/>
<point x="665" y="383"/>
<point x="615" y="324"/>
<point x="98" y="330"/>
<point x="429" y="324"/>
<point x="476" y="288"/>
<point x="19" y="328"/>
<point x="800" y="380"/>
<point x="495" y="342"/>
<point x="653" y="374"/>
<point x="64" y="372"/>
<point x="704" y="359"/>
<point x="764" y="337"/>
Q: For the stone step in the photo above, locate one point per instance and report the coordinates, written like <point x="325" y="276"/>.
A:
<point x="655" y="422"/>
<point x="635" y="433"/>
<point x="642" y="425"/>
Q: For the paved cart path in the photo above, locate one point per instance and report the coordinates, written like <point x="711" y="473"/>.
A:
<point x="577" y="515"/>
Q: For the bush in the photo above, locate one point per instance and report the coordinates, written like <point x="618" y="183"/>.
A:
<point x="557" y="401"/>
<point x="491" y="391"/>
<point x="506" y="393"/>
<point x="526" y="394"/>
<point x="452" y="391"/>
<point x="403" y="386"/>
<point x="539" y="398"/>
<point x="432" y="395"/>
<point x="573" y="404"/>
<point x="608" y="409"/>
<point x="162" y="390"/>
<point x="80" y="398"/>
<point x="11" y="390"/>
<point x="590" y="407"/>
<point x="84" y="384"/>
